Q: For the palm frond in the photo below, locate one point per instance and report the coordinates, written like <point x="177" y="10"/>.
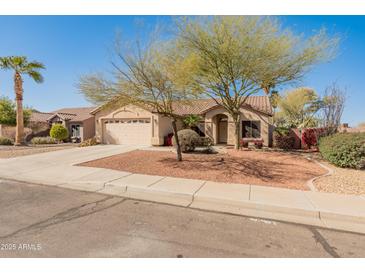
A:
<point x="36" y="76"/>
<point x="21" y="65"/>
<point x="33" y="66"/>
<point x="5" y="63"/>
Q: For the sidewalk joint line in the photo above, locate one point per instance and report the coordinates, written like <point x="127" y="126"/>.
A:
<point x="192" y="197"/>
<point x="104" y="185"/>
<point x="159" y="180"/>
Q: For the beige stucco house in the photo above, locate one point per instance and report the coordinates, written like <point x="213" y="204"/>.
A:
<point x="79" y="122"/>
<point x="131" y="124"/>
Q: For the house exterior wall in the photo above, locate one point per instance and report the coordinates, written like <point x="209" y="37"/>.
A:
<point x="88" y="128"/>
<point x="246" y="115"/>
<point x="160" y="125"/>
<point x="163" y="126"/>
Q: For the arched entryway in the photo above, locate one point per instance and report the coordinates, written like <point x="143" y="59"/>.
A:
<point x="222" y="128"/>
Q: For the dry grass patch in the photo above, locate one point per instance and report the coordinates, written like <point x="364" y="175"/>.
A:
<point x="11" y="151"/>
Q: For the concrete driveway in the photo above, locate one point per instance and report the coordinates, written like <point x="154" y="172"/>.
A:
<point x="57" y="166"/>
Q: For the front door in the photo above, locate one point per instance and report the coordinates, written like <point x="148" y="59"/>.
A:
<point x="222" y="131"/>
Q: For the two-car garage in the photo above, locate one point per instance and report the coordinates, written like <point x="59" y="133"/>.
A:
<point x="134" y="131"/>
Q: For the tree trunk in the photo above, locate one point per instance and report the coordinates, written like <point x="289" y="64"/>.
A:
<point x="178" y="148"/>
<point x="266" y="90"/>
<point x="18" y="87"/>
<point x="236" y="120"/>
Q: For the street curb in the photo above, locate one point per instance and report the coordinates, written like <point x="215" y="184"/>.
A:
<point x="316" y="217"/>
<point x="276" y="205"/>
<point x="310" y="183"/>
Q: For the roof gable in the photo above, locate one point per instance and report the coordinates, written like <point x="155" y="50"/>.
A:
<point x="67" y="114"/>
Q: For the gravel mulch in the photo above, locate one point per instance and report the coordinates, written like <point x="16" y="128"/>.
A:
<point x="12" y="151"/>
<point x="244" y="167"/>
<point x="342" y="181"/>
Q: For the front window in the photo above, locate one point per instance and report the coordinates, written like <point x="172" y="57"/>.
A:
<point x="75" y="129"/>
<point x="251" y="129"/>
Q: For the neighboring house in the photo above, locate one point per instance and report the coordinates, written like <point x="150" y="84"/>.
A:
<point x="79" y="122"/>
<point x="345" y="128"/>
<point x="131" y="124"/>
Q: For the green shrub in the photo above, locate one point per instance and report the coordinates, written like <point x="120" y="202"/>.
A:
<point x="43" y="140"/>
<point x="4" y="141"/>
<point x="204" y="142"/>
<point x="283" y="131"/>
<point x="89" y="142"/>
<point x="188" y="140"/>
<point x="58" y="132"/>
<point x="344" y="149"/>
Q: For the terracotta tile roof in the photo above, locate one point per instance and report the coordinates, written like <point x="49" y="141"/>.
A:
<point x="75" y="114"/>
<point x="69" y="114"/>
<point x="40" y="116"/>
<point x="201" y="106"/>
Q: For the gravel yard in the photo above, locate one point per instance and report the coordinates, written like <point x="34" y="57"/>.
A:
<point x="12" y="151"/>
<point x="245" y="167"/>
<point x="343" y="181"/>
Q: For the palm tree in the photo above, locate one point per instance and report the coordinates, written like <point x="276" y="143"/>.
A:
<point x="21" y="66"/>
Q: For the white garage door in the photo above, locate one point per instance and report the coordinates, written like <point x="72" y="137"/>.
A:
<point x="128" y="131"/>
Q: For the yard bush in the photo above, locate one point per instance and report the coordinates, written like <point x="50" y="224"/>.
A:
<point x="282" y="138"/>
<point x="4" y="141"/>
<point x="204" y="142"/>
<point x="310" y="136"/>
<point x="188" y="140"/>
<point x="59" y="132"/>
<point x="344" y="149"/>
<point x="43" y="140"/>
<point x="89" y="142"/>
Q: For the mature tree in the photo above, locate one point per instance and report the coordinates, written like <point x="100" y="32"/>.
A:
<point x="274" y="99"/>
<point x="333" y="105"/>
<point x="21" y="66"/>
<point x="154" y="77"/>
<point x="237" y="56"/>
<point x="8" y="112"/>
<point x="298" y="109"/>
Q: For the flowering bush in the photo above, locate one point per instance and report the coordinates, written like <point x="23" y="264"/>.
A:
<point x="310" y="136"/>
<point x="259" y="143"/>
<point x="243" y="143"/>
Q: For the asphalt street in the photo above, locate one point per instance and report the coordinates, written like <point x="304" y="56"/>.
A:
<point x="43" y="221"/>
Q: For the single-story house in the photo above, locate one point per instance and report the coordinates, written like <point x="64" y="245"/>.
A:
<point x="132" y="124"/>
<point x="79" y="122"/>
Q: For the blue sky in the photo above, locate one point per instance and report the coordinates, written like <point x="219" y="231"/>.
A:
<point x="71" y="46"/>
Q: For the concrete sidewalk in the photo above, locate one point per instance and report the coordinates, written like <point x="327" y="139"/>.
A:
<point x="344" y="212"/>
